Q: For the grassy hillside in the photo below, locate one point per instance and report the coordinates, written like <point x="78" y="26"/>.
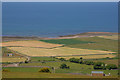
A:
<point x="96" y="43"/>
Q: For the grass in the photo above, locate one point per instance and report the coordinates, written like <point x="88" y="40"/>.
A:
<point x="74" y="67"/>
<point x="96" y="43"/>
<point x="113" y="37"/>
<point x="108" y="61"/>
<point x="43" y="59"/>
<point x="61" y="51"/>
<point x="90" y="56"/>
<point x="66" y="41"/>
<point x="30" y="43"/>
<point x="6" y="51"/>
<point x="13" y="59"/>
<point x="46" y="75"/>
<point x="22" y="69"/>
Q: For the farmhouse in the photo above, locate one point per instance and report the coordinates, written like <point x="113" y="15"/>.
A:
<point x="97" y="73"/>
<point x="9" y="54"/>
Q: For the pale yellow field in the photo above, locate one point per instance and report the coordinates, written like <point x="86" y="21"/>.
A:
<point x="113" y="37"/>
<point x="61" y="51"/>
<point x="30" y="43"/>
<point x="6" y="59"/>
<point x="89" y="56"/>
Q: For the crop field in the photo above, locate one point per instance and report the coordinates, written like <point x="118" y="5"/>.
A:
<point x="61" y="51"/>
<point x="13" y="59"/>
<point x="96" y="43"/>
<point x="113" y="37"/>
<point x="30" y="43"/>
<point x="89" y="56"/>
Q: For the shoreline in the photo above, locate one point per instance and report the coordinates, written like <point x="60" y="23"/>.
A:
<point x="86" y="34"/>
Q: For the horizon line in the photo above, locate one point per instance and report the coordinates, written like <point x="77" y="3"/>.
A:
<point x="59" y="0"/>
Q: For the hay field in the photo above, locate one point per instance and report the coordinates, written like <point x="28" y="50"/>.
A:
<point x="15" y="59"/>
<point x="89" y="56"/>
<point x="30" y="43"/>
<point x="61" y="51"/>
<point x="113" y="37"/>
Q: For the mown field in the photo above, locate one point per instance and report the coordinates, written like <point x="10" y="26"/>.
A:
<point x="113" y="37"/>
<point x="30" y="43"/>
<point x="61" y="51"/>
<point x="96" y="43"/>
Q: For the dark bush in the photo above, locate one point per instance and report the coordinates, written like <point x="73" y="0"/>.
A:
<point x="6" y="70"/>
<point x="62" y="66"/>
<point x="45" y="70"/>
<point x="62" y="59"/>
<point x="111" y="66"/>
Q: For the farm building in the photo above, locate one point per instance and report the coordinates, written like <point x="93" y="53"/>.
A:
<point x="9" y="54"/>
<point x="97" y="73"/>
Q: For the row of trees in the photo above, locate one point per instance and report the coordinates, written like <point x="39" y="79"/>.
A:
<point x="96" y="65"/>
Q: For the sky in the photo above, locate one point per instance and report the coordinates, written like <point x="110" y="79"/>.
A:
<point x="59" y="0"/>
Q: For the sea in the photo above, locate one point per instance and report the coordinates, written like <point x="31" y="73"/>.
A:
<point x="53" y="19"/>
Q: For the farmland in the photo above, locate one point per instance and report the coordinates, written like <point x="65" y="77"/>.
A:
<point x="13" y="59"/>
<point x="16" y="57"/>
<point x="90" y="56"/>
<point x="30" y="43"/>
<point x="61" y="51"/>
<point x="47" y="75"/>
<point x="47" y="53"/>
<point x="74" y="68"/>
<point x="96" y="43"/>
<point x="113" y="37"/>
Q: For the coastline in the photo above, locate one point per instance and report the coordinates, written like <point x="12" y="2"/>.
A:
<point x="86" y="34"/>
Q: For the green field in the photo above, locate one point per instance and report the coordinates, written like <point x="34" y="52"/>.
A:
<point x="47" y="75"/>
<point x="96" y="43"/>
<point x="89" y="48"/>
<point x="66" y="41"/>
<point x="108" y="61"/>
<point x="43" y="59"/>
<point x="74" y="67"/>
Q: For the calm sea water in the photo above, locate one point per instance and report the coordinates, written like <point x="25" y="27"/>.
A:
<point x="55" y="19"/>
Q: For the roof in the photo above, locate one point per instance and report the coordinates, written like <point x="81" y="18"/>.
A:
<point x="97" y="71"/>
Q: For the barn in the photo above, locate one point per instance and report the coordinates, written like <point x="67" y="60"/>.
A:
<point x="97" y="73"/>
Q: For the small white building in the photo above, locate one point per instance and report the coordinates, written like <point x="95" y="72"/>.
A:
<point x="10" y="54"/>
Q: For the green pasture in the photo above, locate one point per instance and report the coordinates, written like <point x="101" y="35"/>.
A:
<point x="47" y="75"/>
<point x="43" y="59"/>
<point x="96" y="43"/>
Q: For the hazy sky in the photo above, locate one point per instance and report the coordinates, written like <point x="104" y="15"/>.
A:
<point x="59" y="0"/>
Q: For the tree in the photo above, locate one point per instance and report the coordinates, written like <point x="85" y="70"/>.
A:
<point x="99" y="65"/>
<point x="88" y="62"/>
<point x="26" y="61"/>
<point x="111" y="66"/>
<point x="74" y="60"/>
<point x="62" y="59"/>
<point x="81" y="58"/>
<point x="45" y="70"/>
<point x="62" y="66"/>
